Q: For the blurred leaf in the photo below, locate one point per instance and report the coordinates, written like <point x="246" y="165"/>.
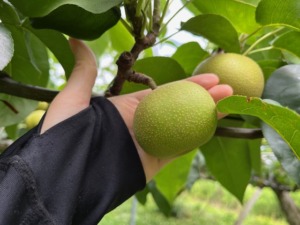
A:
<point x="241" y="15"/>
<point x="284" y="87"/>
<point x="30" y="60"/>
<point x="252" y="2"/>
<point x="121" y="39"/>
<point x="279" y="12"/>
<point x="289" y="41"/>
<point x="23" y="107"/>
<point x="159" y="199"/>
<point x="255" y="156"/>
<point x="161" y="69"/>
<point x="189" y="55"/>
<point x="190" y="7"/>
<point x="6" y="46"/>
<point x="57" y="44"/>
<point x="216" y="29"/>
<point x="268" y="66"/>
<point x="142" y="195"/>
<point x="286" y="122"/>
<point x="229" y="161"/>
<point x="283" y="153"/>
<point x="172" y="178"/>
<point x="39" y="8"/>
<point x="77" y="22"/>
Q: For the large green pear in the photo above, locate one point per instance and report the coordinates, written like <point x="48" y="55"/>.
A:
<point x="174" y="119"/>
<point x="242" y="73"/>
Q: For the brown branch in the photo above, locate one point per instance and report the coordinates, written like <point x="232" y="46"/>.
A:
<point x="12" y="87"/>
<point x="235" y="132"/>
<point x="127" y="59"/>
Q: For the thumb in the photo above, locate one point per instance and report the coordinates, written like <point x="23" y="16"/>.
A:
<point x="77" y="92"/>
<point x="84" y="73"/>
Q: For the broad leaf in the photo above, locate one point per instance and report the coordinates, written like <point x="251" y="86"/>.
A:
<point x="39" y="8"/>
<point x="172" y="179"/>
<point x="289" y="41"/>
<point x="286" y="122"/>
<point x="279" y="12"/>
<point x="229" y="161"/>
<point x="240" y="14"/>
<point x="159" y="199"/>
<point x="189" y="55"/>
<point x="57" y="44"/>
<point x="216" y="29"/>
<point x="6" y="46"/>
<point x="161" y="69"/>
<point x="284" y="87"/>
<point x="283" y="153"/>
<point x="22" y="107"/>
<point x="120" y="38"/>
<point x="77" y="22"/>
<point x="30" y="61"/>
<point x="268" y="66"/>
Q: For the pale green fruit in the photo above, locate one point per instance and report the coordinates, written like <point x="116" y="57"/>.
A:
<point x="174" y="119"/>
<point x="43" y="105"/>
<point x="241" y="72"/>
<point x="34" y="118"/>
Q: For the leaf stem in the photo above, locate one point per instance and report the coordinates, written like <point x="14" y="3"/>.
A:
<point x="139" y="7"/>
<point x="164" y="12"/>
<point x="261" y="50"/>
<point x="127" y="26"/>
<point x="175" y="14"/>
<point x="261" y="39"/>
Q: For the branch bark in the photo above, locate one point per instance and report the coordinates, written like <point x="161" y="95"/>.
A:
<point x="127" y="59"/>
<point x="12" y="87"/>
<point x="288" y="206"/>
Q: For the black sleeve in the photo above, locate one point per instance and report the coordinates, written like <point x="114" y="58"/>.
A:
<point x="74" y="173"/>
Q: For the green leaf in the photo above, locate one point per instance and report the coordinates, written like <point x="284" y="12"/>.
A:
<point x="121" y="39"/>
<point x="161" y="69"/>
<point x="268" y="66"/>
<point x="77" y="22"/>
<point x="57" y="44"/>
<point x="189" y="55"/>
<point x="286" y="122"/>
<point x="289" y="41"/>
<point x="30" y="60"/>
<point x="240" y="14"/>
<point x="172" y="178"/>
<point x="22" y="106"/>
<point x="279" y="12"/>
<point x="159" y="199"/>
<point x="229" y="161"/>
<point x="39" y="8"/>
<point x="6" y="46"/>
<point x="215" y="28"/>
<point x="284" y="87"/>
<point x="283" y="153"/>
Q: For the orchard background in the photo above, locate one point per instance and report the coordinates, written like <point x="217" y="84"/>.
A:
<point x="129" y="35"/>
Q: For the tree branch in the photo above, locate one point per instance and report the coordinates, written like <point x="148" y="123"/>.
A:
<point x="12" y="87"/>
<point x="127" y="59"/>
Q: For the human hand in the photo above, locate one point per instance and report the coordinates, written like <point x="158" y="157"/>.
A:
<point x="77" y="93"/>
<point x="127" y="104"/>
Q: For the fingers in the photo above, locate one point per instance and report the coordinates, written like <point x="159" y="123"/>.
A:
<point x="84" y="73"/>
<point x="77" y="92"/>
<point x="205" y="80"/>
<point x="220" y="91"/>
